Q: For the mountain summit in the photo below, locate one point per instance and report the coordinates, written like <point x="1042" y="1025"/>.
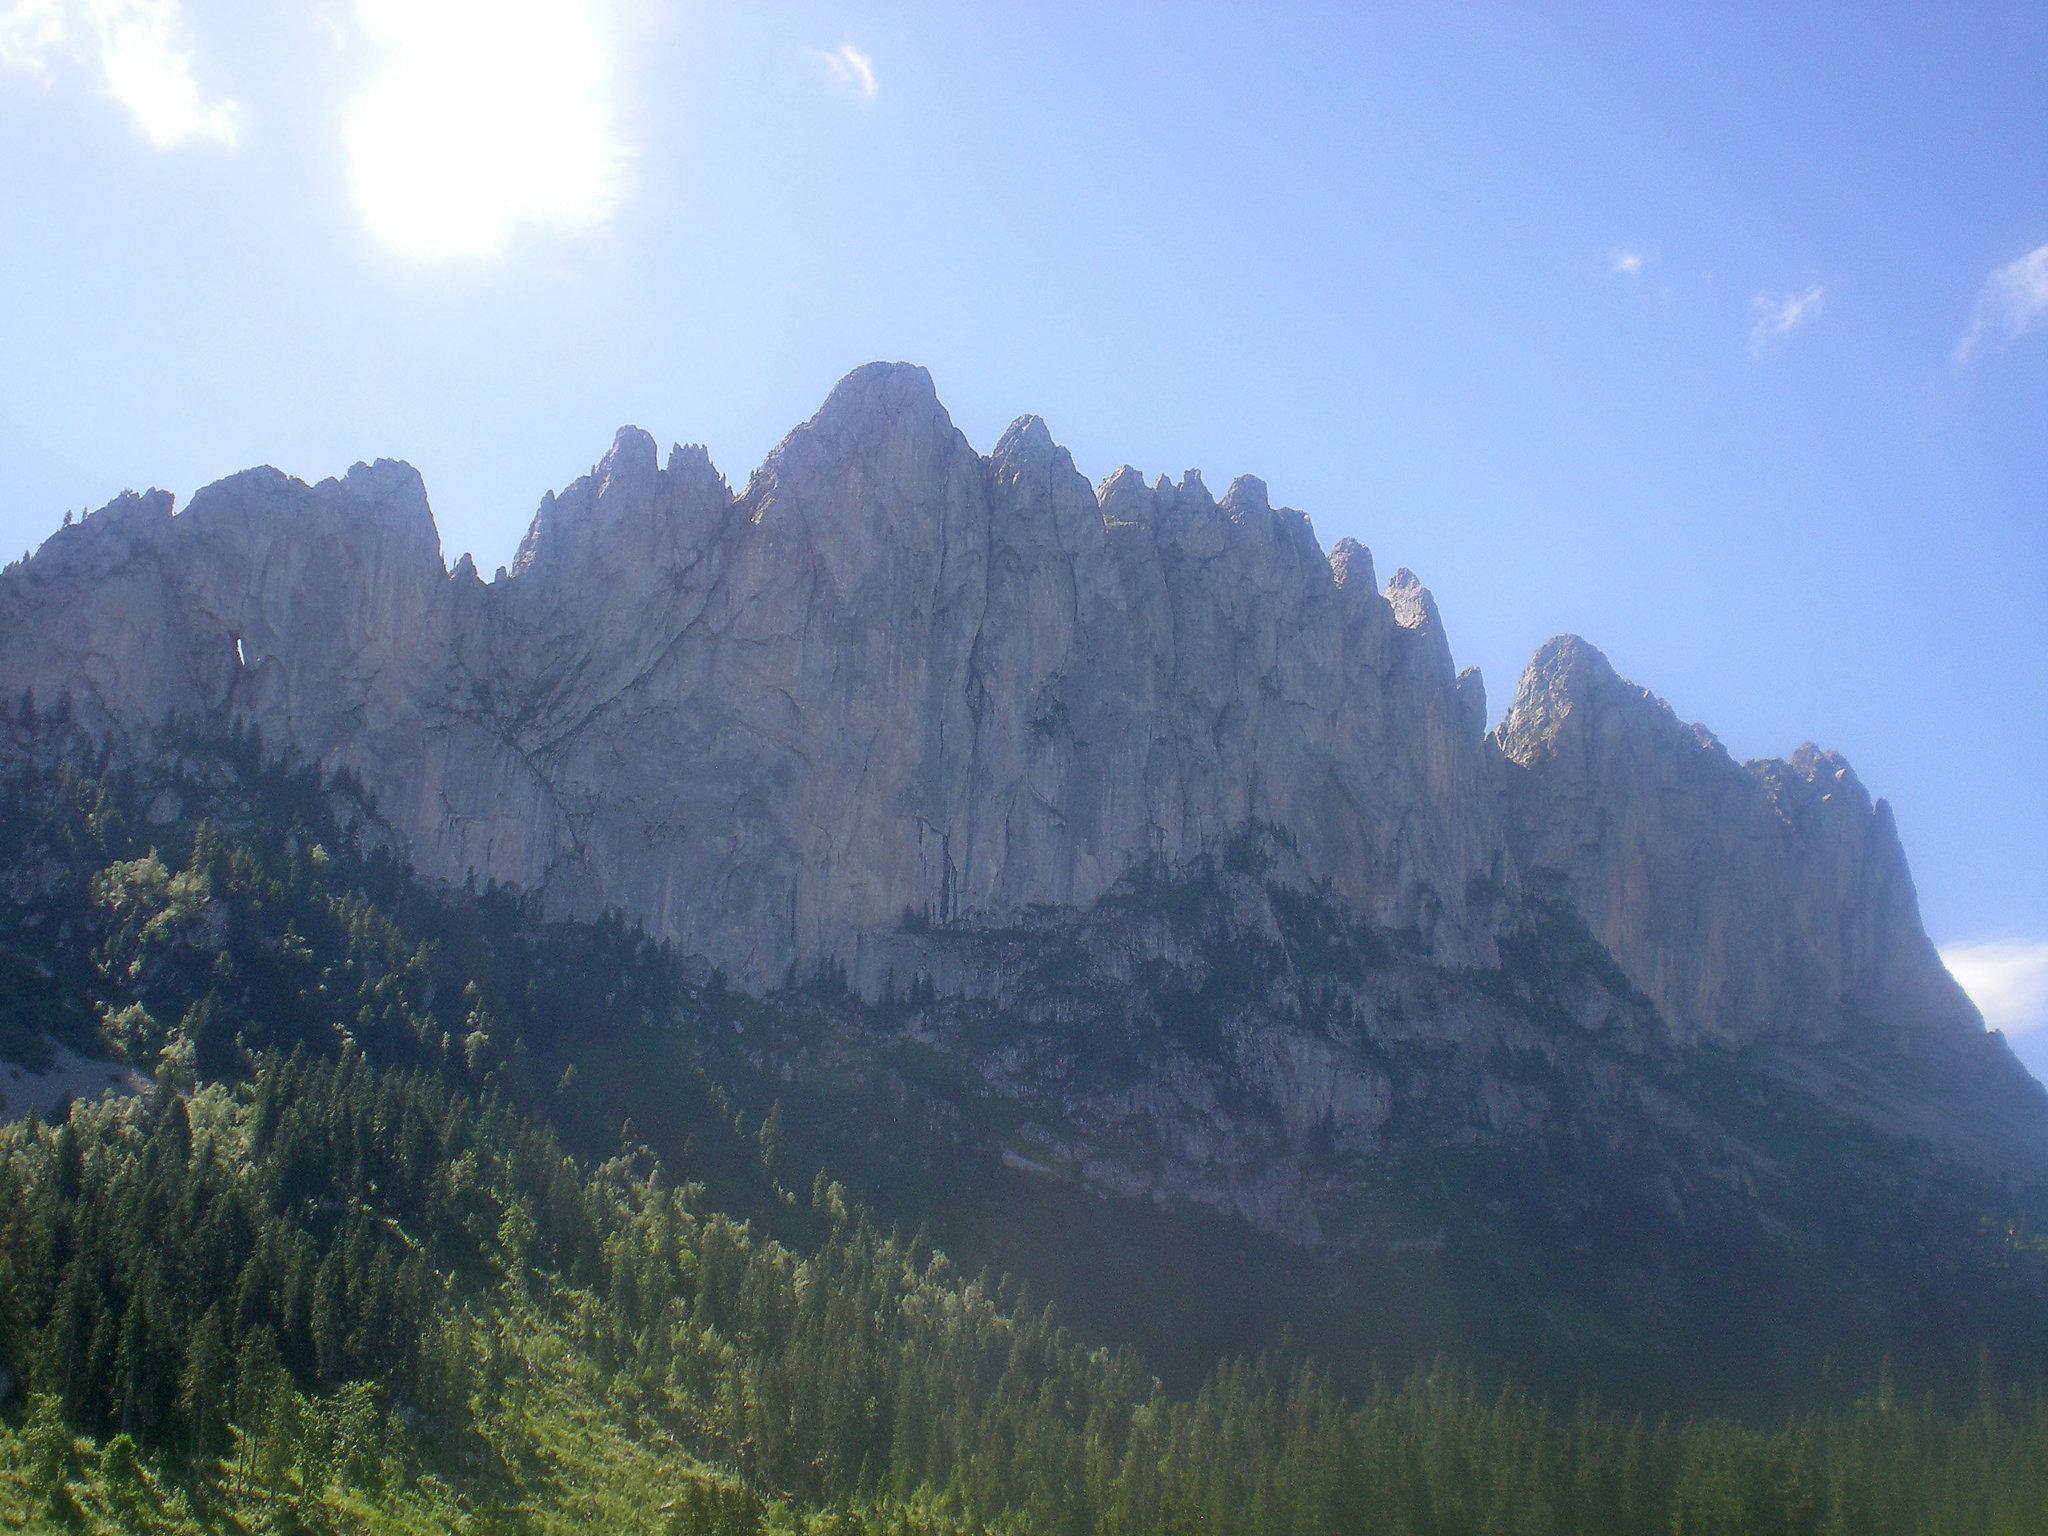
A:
<point x="1186" y="841"/>
<point x="891" y="675"/>
<point x="895" y="676"/>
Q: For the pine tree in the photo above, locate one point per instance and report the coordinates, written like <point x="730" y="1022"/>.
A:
<point x="66" y="1352"/>
<point x="204" y="1390"/>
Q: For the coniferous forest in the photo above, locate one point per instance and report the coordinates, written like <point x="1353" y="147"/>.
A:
<point x="393" y="1242"/>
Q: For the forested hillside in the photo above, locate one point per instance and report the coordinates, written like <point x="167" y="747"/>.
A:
<point x="440" y="1216"/>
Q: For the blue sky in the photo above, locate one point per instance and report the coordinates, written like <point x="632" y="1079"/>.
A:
<point x="1721" y="339"/>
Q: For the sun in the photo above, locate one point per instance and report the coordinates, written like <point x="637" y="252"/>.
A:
<point x="485" y="117"/>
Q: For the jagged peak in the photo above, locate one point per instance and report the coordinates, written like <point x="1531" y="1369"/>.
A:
<point x="1026" y="439"/>
<point x="1192" y="489"/>
<point x="1811" y="774"/>
<point x="1351" y="565"/>
<point x="1571" y="658"/>
<point x="898" y="375"/>
<point x="692" y="461"/>
<point x="627" y="489"/>
<point x="384" y="478"/>
<point x="387" y="494"/>
<point x="155" y="500"/>
<point x="1421" y="627"/>
<point x="257" y="479"/>
<point x="1124" y="497"/>
<point x="131" y="509"/>
<point x="1568" y="668"/>
<point x="1189" y="494"/>
<point x="1246" y="496"/>
<point x="380" y="506"/>
<point x="1814" y="762"/>
<point x="1471" y="686"/>
<point x="1564" y="672"/>
<point x="888" y="409"/>
<point x="1285" y="525"/>
<point x="398" y="495"/>
<point x="1414" y="607"/>
<point x="1568" y="677"/>
<point x="151" y="503"/>
<point x="536" y="532"/>
<point x="630" y="464"/>
<point x="878" y="392"/>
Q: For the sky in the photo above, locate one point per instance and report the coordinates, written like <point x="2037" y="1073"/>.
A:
<point x="1718" y="335"/>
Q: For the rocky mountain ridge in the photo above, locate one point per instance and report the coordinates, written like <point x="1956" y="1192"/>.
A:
<point x="906" y="715"/>
<point x="889" y="676"/>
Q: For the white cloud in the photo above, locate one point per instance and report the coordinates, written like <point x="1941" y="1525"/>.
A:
<point x="31" y="31"/>
<point x="140" y="50"/>
<point x="2013" y="300"/>
<point x="485" y="117"/>
<point x="1625" y="263"/>
<point x="852" y="67"/>
<point x="2006" y="978"/>
<point x="1779" y="315"/>
<point x="149" y="70"/>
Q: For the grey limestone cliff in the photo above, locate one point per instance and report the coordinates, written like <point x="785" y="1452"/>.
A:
<point x="1749" y="901"/>
<point x="894" y="690"/>
<point x="891" y="677"/>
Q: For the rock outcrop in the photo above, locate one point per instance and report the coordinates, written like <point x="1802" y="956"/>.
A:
<point x="895" y="689"/>
<point x="1748" y="901"/>
<point x="891" y="680"/>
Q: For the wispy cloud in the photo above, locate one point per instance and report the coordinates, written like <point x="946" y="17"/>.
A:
<point x="484" y="118"/>
<point x="2006" y="978"/>
<point x="30" y="32"/>
<point x="2013" y="300"/>
<point x="1625" y="263"/>
<point x="1778" y="315"/>
<point x="141" y="52"/>
<point x="149" y="70"/>
<point x="853" y="68"/>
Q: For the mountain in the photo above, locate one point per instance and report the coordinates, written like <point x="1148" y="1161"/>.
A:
<point x="891" y="676"/>
<point x="375" y="1254"/>
<point x="1180" y="844"/>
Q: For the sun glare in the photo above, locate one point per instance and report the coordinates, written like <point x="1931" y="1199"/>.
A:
<point x="485" y="117"/>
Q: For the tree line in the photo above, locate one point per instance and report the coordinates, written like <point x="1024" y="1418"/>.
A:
<point x="363" y="1260"/>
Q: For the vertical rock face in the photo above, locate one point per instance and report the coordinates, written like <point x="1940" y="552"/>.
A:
<point x="1207" y="818"/>
<point x="314" y="611"/>
<point x="1123" y="763"/>
<point x="892" y="679"/>
<point x="1748" y="901"/>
